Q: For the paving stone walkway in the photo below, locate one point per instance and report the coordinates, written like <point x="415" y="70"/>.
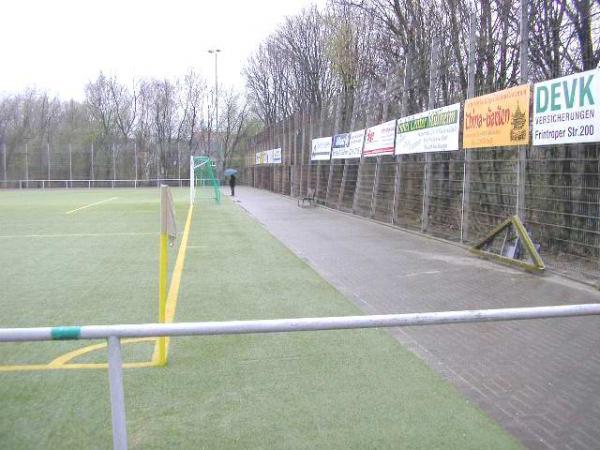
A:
<point x="540" y="379"/>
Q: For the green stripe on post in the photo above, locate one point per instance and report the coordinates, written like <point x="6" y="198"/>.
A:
<point x="65" y="333"/>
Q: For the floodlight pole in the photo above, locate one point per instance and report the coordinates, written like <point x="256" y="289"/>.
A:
<point x="216" y="52"/>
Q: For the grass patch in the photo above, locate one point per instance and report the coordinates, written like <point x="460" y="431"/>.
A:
<point x="334" y="389"/>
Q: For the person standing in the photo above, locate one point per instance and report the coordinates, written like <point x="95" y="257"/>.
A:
<point x="232" y="184"/>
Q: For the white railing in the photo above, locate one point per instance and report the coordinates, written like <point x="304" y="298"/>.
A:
<point x="114" y="333"/>
<point x="89" y="184"/>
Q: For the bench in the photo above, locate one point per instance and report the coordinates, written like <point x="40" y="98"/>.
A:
<point x="309" y="198"/>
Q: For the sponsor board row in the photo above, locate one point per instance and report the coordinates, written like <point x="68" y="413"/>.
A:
<point x="565" y="110"/>
<point x="431" y="131"/>
<point x="269" y="157"/>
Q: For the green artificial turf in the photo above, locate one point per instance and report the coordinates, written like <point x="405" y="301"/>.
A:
<point x="336" y="389"/>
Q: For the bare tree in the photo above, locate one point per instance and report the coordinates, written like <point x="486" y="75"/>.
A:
<point x="234" y="119"/>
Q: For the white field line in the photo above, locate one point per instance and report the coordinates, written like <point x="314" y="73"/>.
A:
<point x="67" y="235"/>
<point x="91" y="204"/>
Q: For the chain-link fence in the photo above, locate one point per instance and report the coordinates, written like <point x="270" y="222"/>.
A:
<point x="122" y="164"/>
<point x="460" y="195"/>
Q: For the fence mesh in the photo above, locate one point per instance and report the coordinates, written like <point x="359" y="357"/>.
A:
<point x="459" y="195"/>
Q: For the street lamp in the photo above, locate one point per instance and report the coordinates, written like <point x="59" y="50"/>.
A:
<point x="216" y="52"/>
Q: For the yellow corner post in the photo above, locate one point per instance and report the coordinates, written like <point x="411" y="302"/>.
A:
<point x="163" y="273"/>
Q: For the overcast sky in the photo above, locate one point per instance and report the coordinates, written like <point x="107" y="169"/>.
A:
<point x="59" y="45"/>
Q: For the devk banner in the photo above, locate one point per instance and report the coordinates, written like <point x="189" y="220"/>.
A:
<point x="567" y="110"/>
<point x="436" y="130"/>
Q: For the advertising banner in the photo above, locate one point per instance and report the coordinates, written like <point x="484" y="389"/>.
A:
<point x="380" y="139"/>
<point x="567" y="110"/>
<point x="276" y="156"/>
<point x="257" y="162"/>
<point x="321" y="149"/>
<point x="348" y="145"/>
<point x="436" y="130"/>
<point x="498" y="119"/>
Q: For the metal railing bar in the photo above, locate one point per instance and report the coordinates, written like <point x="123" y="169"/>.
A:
<point x="291" y="325"/>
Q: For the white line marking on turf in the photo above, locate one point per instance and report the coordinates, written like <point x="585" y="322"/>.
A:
<point x="66" y="235"/>
<point x="91" y="204"/>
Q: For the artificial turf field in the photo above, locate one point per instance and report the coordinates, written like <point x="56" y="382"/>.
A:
<point x="98" y="265"/>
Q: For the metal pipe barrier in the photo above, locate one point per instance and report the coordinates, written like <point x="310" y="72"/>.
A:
<point x="72" y="183"/>
<point x="114" y="333"/>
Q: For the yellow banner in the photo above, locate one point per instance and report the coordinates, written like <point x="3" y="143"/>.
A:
<point x="498" y="119"/>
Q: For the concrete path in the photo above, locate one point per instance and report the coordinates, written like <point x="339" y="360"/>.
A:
<point x="539" y="379"/>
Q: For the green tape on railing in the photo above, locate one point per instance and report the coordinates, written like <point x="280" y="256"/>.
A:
<point x="65" y="333"/>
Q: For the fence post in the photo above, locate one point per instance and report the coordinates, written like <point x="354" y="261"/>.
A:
<point x="71" y="165"/>
<point x="283" y="141"/>
<point x="322" y="116"/>
<point x="433" y="77"/>
<point x="48" y="152"/>
<point x="385" y="114"/>
<point x="117" y="394"/>
<point x="254" y="169"/>
<point x="309" y="139"/>
<point x="465" y="207"/>
<point x="342" y="185"/>
<point x="302" y="148"/>
<point x="361" y="160"/>
<point x="352" y="122"/>
<point x="271" y="167"/>
<point x="373" y="106"/>
<point x="178" y="164"/>
<point x="92" y="162"/>
<point x="135" y="163"/>
<point x="114" y="166"/>
<point x="333" y="129"/>
<point x="522" y="149"/>
<point x="26" y="167"/>
<point x="375" y="186"/>
<point x="291" y="154"/>
<point x="294" y="154"/>
<point x="4" y="160"/>
<point x="158" y="165"/>
<point x="286" y="155"/>
<point x="403" y="112"/>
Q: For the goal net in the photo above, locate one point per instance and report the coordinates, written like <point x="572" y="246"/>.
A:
<point x="203" y="181"/>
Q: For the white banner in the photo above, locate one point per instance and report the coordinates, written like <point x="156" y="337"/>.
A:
<point x="321" y="149"/>
<point x="276" y="156"/>
<point x="380" y="139"/>
<point x="262" y="157"/>
<point x="567" y="109"/>
<point x="435" y="130"/>
<point x="348" y="145"/>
